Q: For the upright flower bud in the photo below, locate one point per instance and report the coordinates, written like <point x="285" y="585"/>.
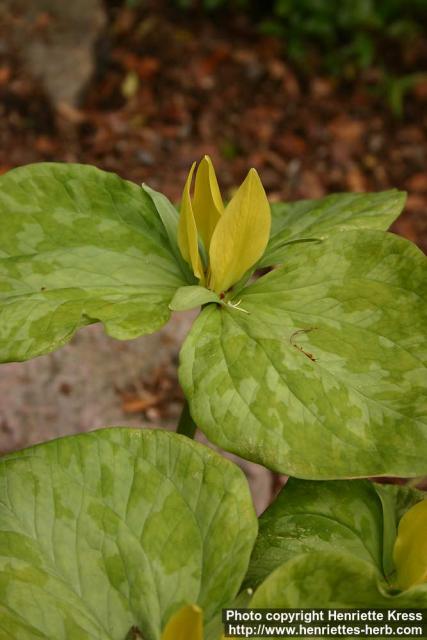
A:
<point x="234" y="238"/>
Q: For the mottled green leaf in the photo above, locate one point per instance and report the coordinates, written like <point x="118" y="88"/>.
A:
<point x="191" y="297"/>
<point x="320" y="545"/>
<point x="118" y="528"/>
<point x="346" y="581"/>
<point x="315" y="219"/>
<point x="324" y="375"/>
<point x="356" y="517"/>
<point x="78" y="245"/>
<point x="307" y="516"/>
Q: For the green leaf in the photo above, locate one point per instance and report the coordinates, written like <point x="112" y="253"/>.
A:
<point x="329" y="534"/>
<point x="116" y="529"/>
<point x="214" y="631"/>
<point x="403" y="497"/>
<point x="357" y="517"/>
<point x="324" y="376"/>
<point x="346" y="581"/>
<point x="388" y="496"/>
<point x="191" y="297"/>
<point x="308" y="220"/>
<point x="78" y="245"/>
<point x="169" y="216"/>
<point x="317" y="516"/>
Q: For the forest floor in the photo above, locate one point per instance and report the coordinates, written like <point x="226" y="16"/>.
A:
<point x="169" y="89"/>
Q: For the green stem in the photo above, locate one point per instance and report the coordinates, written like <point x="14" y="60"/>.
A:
<point x="186" y="425"/>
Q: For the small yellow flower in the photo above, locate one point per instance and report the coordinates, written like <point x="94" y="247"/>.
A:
<point x="185" y="624"/>
<point x="410" y="548"/>
<point x="234" y="237"/>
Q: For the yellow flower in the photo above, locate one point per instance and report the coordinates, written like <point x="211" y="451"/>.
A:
<point x="410" y="548"/>
<point x="185" y="624"/>
<point x="234" y="237"/>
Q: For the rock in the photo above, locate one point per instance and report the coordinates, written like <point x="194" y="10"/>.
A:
<point x="56" y="42"/>
<point x="78" y="387"/>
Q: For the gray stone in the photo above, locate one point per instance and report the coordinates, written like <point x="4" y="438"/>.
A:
<point x="56" y="40"/>
<point x="77" y="387"/>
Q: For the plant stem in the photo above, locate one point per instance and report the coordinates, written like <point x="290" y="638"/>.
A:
<point x="186" y="425"/>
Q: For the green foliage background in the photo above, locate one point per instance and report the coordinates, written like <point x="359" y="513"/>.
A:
<point x="342" y="37"/>
<point x="358" y="28"/>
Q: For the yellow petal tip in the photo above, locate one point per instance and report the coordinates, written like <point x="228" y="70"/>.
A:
<point x="410" y="548"/>
<point x="185" y="624"/>
<point x="207" y="201"/>
<point x="241" y="235"/>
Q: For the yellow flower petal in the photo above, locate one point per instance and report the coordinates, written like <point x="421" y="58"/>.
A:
<point x="207" y="201"/>
<point x="241" y="235"/>
<point x="185" y="624"/>
<point x="187" y="230"/>
<point x="410" y="548"/>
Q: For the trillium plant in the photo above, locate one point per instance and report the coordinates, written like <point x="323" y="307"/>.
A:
<point x="307" y="356"/>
